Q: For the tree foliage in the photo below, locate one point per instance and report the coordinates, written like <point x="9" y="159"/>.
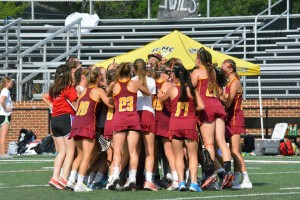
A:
<point x="139" y="9"/>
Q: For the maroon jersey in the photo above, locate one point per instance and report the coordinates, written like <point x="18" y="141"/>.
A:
<point x="109" y="124"/>
<point x="235" y="114"/>
<point x="182" y="114"/>
<point x="162" y="110"/>
<point x="126" y="116"/>
<point x="213" y="107"/>
<point x="85" y="116"/>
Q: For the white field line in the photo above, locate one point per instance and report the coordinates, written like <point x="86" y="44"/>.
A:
<point x="271" y="173"/>
<point x="291" y="188"/>
<point x="273" y="161"/>
<point x="10" y="160"/>
<point x="23" y="171"/>
<point x="237" y="196"/>
<point x="24" y="186"/>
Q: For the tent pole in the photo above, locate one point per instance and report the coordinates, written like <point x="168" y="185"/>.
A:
<point x="260" y="108"/>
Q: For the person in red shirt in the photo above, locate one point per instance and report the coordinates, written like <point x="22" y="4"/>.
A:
<point x="212" y="119"/>
<point x="126" y="122"/>
<point x="84" y="126"/>
<point x="57" y="99"/>
<point x="185" y="99"/>
<point x="232" y="99"/>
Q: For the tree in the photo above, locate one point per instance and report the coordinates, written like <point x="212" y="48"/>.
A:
<point x="12" y="9"/>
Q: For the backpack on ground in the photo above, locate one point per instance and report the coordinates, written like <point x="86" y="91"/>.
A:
<point x="286" y="148"/>
<point x="12" y="148"/>
<point x="46" y="145"/>
<point x="25" y="137"/>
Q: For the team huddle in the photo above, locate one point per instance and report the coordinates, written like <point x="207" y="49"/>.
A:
<point x="151" y="114"/>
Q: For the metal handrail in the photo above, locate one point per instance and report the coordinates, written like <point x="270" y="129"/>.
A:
<point x="21" y="80"/>
<point x="17" y="46"/>
<point x="277" y="17"/>
<point x="237" y="43"/>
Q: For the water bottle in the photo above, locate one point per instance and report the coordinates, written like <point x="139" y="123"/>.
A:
<point x="295" y="130"/>
<point x="291" y="130"/>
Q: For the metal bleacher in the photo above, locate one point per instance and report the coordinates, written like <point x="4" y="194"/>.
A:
<point x="276" y="48"/>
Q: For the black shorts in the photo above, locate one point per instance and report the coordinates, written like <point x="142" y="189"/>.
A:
<point x="61" y="125"/>
<point x="5" y="119"/>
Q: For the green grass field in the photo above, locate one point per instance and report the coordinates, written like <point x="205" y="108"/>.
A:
<point x="26" y="177"/>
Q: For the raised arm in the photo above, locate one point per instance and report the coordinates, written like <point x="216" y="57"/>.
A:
<point x="234" y="87"/>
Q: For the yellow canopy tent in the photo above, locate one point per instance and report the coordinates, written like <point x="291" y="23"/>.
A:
<point x="178" y="45"/>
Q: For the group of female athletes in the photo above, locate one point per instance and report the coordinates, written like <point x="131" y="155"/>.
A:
<point x="149" y="113"/>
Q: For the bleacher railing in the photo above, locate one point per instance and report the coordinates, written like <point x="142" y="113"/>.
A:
<point x="4" y="31"/>
<point x="286" y="12"/>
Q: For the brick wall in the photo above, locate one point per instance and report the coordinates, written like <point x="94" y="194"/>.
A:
<point x="37" y="120"/>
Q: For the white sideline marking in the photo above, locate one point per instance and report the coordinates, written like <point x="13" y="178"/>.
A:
<point x="49" y="168"/>
<point x="9" y="160"/>
<point x="291" y="188"/>
<point x="24" y="186"/>
<point x="270" y="173"/>
<point x="238" y="195"/>
<point x="22" y="171"/>
<point x="273" y="161"/>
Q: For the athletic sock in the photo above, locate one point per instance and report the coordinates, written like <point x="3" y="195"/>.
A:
<point x="221" y="173"/>
<point x="227" y="166"/>
<point x="72" y="176"/>
<point x="245" y="176"/>
<point x="174" y="176"/>
<point x="236" y="176"/>
<point x="148" y="176"/>
<point x="132" y="174"/>
<point x="98" y="177"/>
<point x="91" y="177"/>
<point x="80" y="180"/>
<point x="116" y="171"/>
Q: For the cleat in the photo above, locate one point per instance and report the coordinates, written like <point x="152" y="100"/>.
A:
<point x="227" y="180"/>
<point x="70" y="185"/>
<point x="214" y="186"/>
<point x="194" y="187"/>
<point x="150" y="186"/>
<point x="181" y="186"/>
<point x="209" y="180"/>
<point x="243" y="185"/>
<point x="62" y="182"/>
<point x="169" y="177"/>
<point x="96" y="186"/>
<point x="82" y="188"/>
<point x="54" y="183"/>
<point x="130" y="184"/>
<point x="173" y="186"/>
<point x="235" y="183"/>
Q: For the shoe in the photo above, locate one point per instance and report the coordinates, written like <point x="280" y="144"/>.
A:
<point x="209" y="180"/>
<point x="95" y="186"/>
<point x="115" y="179"/>
<point x="150" y="186"/>
<point x="214" y="186"/>
<point x="62" y="182"/>
<point x="227" y="180"/>
<point x="173" y="186"/>
<point x="130" y="184"/>
<point x="169" y="177"/>
<point x="110" y="185"/>
<point x="182" y="186"/>
<point x="243" y="185"/>
<point x="235" y="183"/>
<point x="82" y="188"/>
<point x="54" y="183"/>
<point x="194" y="187"/>
<point x="5" y="156"/>
<point x="70" y="185"/>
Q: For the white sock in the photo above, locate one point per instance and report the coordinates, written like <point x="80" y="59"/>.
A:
<point x="80" y="180"/>
<point x="245" y="176"/>
<point x="175" y="176"/>
<point x="148" y="176"/>
<point x="98" y="177"/>
<point x="72" y="176"/>
<point x="236" y="176"/>
<point x="187" y="175"/>
<point x="116" y="171"/>
<point x="91" y="177"/>
<point x="132" y="174"/>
